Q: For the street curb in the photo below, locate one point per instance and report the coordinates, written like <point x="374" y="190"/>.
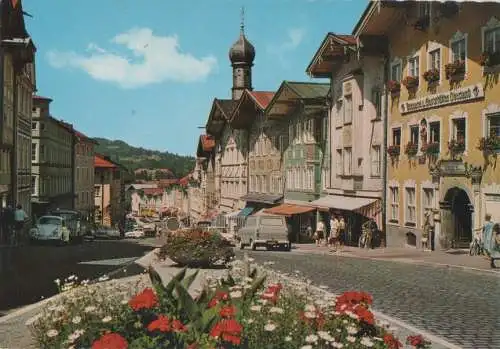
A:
<point x="30" y="307"/>
<point x="406" y="261"/>
<point x="395" y="321"/>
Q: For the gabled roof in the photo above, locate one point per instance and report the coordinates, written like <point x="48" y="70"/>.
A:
<point x="259" y="99"/>
<point x="332" y="46"/>
<point x="307" y="92"/>
<point x="101" y="162"/>
<point x="220" y="113"/>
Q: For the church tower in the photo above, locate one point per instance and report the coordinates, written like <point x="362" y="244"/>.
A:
<point x="241" y="55"/>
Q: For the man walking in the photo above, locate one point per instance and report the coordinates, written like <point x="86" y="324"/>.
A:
<point x="488" y="238"/>
<point x="20" y="218"/>
<point x="334" y="232"/>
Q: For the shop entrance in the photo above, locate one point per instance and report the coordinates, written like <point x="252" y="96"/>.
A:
<point x="461" y="217"/>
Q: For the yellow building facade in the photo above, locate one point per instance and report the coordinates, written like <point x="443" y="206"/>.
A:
<point x="444" y="101"/>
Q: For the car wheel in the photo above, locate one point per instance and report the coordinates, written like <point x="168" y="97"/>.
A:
<point x="242" y="245"/>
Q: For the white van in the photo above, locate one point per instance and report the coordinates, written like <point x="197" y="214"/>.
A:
<point x="269" y="231"/>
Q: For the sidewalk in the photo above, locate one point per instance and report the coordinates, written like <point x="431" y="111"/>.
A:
<point x="449" y="258"/>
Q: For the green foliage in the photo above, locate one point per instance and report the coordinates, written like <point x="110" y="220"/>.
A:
<point x="138" y="157"/>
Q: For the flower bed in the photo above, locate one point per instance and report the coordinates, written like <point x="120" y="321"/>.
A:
<point x="240" y="311"/>
<point x="196" y="248"/>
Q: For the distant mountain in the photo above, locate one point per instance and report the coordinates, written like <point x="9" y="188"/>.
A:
<point x="134" y="157"/>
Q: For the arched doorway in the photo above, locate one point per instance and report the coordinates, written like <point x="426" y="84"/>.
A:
<point x="461" y="216"/>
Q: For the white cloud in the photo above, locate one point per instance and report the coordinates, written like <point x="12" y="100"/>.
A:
<point x="153" y="59"/>
<point x="294" y="38"/>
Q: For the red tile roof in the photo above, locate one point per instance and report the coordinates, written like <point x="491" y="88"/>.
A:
<point x="262" y="98"/>
<point x="207" y="142"/>
<point x="163" y="183"/>
<point x="101" y="162"/>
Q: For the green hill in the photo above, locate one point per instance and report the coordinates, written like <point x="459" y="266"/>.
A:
<point x="138" y="157"/>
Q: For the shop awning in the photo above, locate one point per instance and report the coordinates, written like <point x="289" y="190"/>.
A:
<point x="233" y="214"/>
<point x="289" y="210"/>
<point x="247" y="211"/>
<point x="262" y="198"/>
<point x="339" y="202"/>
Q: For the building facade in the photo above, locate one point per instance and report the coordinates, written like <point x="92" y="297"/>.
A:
<point x="52" y="154"/>
<point x="17" y="86"/>
<point x="444" y="118"/>
<point x="357" y="94"/>
<point x="83" y="174"/>
<point x="108" y="185"/>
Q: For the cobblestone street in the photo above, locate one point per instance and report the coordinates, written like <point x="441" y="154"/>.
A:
<point x="459" y="306"/>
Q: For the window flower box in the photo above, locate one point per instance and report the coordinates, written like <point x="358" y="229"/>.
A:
<point x="393" y="150"/>
<point x="393" y="86"/>
<point x="431" y="76"/>
<point x="489" y="145"/>
<point x="456" y="146"/>
<point x="454" y="69"/>
<point x="431" y="148"/>
<point x="410" y="82"/>
<point x="489" y="59"/>
<point x="411" y="149"/>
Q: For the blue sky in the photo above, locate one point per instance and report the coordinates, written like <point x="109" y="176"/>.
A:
<point x="147" y="71"/>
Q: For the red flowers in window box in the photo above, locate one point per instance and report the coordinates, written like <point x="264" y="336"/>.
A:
<point x="110" y="341"/>
<point x="410" y="82"/>
<point x="411" y="149"/>
<point x="393" y="150"/>
<point x="145" y="300"/>
<point x="489" y="59"/>
<point x="431" y="76"/>
<point x="454" y="69"/>
<point x="393" y="86"/>
<point x="431" y="148"/>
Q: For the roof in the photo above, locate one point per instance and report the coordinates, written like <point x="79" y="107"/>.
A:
<point x="262" y="98"/>
<point x="163" y="183"/>
<point x="207" y="142"/>
<point x="289" y="210"/>
<point x="101" y="162"/>
<point x="227" y="106"/>
<point x="82" y="137"/>
<point x="41" y="98"/>
<point x="220" y="112"/>
<point x="308" y="89"/>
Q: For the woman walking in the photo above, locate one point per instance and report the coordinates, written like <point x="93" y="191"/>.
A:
<point x="489" y="239"/>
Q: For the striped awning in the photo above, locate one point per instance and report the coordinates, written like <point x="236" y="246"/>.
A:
<point x="289" y="210"/>
<point x="247" y="211"/>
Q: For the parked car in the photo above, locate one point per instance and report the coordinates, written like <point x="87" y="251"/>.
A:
<point x="264" y="231"/>
<point x="73" y="220"/>
<point x="107" y="233"/>
<point x="135" y="234"/>
<point x="51" y="229"/>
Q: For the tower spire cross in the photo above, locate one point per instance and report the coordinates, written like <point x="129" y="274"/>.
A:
<point x="242" y="20"/>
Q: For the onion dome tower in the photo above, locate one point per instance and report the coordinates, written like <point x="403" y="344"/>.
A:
<point x="241" y="55"/>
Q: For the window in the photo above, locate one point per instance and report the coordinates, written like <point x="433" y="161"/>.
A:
<point x="33" y="125"/>
<point x="410" y="207"/>
<point x="414" y="132"/>
<point x="458" y="50"/>
<point x="324" y="128"/>
<point x="492" y="40"/>
<point x="33" y="151"/>
<point x="310" y="184"/>
<point x="377" y="103"/>
<point x="435" y="59"/>
<point x="394" y="192"/>
<point x="339" y="163"/>
<point x="396" y="71"/>
<point x="97" y="191"/>
<point x="309" y="130"/>
<point x="347" y="161"/>
<point x="298" y="132"/>
<point x="494" y="125"/>
<point x="459" y="130"/>
<point x="347" y="109"/>
<point x="42" y="126"/>
<point x="304" y="178"/>
<point x="33" y="184"/>
<point x="396" y="136"/>
<point x="427" y="202"/>
<point x="324" y="178"/>
<point x="42" y="150"/>
<point x="413" y="66"/>
<point x="375" y="161"/>
<point x="434" y="132"/>
<point x="291" y="132"/>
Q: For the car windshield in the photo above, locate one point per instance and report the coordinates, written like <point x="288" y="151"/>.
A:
<point x="49" y="220"/>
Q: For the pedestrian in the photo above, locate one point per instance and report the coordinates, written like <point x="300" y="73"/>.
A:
<point x="334" y="232"/>
<point x="320" y="232"/>
<point x="495" y="243"/>
<point x="342" y="234"/>
<point x="488" y="238"/>
<point x="20" y="218"/>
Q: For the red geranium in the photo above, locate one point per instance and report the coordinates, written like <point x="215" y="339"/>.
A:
<point x="272" y="292"/>
<point x="110" y="341"/>
<point x="162" y="324"/>
<point x="392" y="342"/>
<point x="219" y="296"/>
<point x="145" y="300"/>
<point x="417" y="341"/>
<point x="229" y="330"/>
<point x="227" y="311"/>
<point x="178" y="326"/>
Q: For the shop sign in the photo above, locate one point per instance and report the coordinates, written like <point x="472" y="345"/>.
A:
<point x="460" y="95"/>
